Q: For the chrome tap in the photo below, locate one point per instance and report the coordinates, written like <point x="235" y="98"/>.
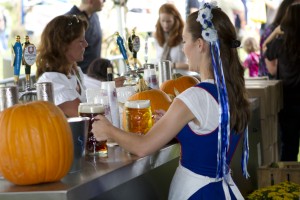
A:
<point x="30" y="94"/>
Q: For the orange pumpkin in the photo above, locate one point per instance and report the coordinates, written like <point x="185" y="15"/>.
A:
<point x="158" y="99"/>
<point x="36" y="144"/>
<point x="176" y="86"/>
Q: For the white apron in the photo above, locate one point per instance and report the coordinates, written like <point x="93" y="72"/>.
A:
<point x="193" y="182"/>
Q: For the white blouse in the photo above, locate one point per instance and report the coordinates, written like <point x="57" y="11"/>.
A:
<point x="204" y="107"/>
<point x="64" y="88"/>
<point x="176" y="53"/>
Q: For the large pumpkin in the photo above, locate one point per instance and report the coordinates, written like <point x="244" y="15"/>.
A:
<point x="176" y="86"/>
<point x="36" y="144"/>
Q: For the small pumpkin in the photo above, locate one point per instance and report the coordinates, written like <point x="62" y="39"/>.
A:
<point x="176" y="86"/>
<point x="36" y="144"/>
<point x="158" y="99"/>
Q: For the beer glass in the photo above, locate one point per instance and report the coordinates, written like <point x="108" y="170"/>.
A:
<point x="138" y="116"/>
<point x="93" y="147"/>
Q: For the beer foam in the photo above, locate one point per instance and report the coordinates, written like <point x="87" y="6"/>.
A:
<point x="137" y="104"/>
<point x="91" y="108"/>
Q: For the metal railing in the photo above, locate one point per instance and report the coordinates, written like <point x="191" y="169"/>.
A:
<point x="118" y="61"/>
<point x="22" y="81"/>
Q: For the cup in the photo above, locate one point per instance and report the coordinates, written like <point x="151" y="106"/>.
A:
<point x="164" y="71"/>
<point x="44" y="91"/>
<point x="123" y="93"/>
<point x="138" y="116"/>
<point x="150" y="78"/>
<point x="99" y="96"/>
<point x="8" y="96"/>
<point x="110" y="88"/>
<point x="79" y="127"/>
<point x="93" y="147"/>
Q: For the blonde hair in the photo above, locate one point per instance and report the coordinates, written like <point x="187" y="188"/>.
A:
<point x="250" y="45"/>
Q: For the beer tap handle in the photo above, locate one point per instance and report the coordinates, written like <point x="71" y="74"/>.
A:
<point x="134" y="46"/>
<point x="122" y="50"/>
<point x="29" y="56"/>
<point x="17" y="53"/>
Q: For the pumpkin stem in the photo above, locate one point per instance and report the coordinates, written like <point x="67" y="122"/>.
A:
<point x="142" y="85"/>
<point x="176" y="75"/>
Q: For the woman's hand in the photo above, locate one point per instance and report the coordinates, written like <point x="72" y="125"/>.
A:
<point x="120" y="81"/>
<point x="101" y="128"/>
<point x="158" y="114"/>
<point x="277" y="31"/>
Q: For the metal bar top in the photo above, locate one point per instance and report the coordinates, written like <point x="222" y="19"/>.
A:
<point x="97" y="176"/>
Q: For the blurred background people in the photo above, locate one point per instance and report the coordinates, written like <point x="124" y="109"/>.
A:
<point x="191" y="6"/>
<point x="234" y="9"/>
<point x="62" y="45"/>
<point x="263" y="71"/>
<point x="3" y="34"/>
<point x="271" y="10"/>
<point x="93" y="35"/>
<point x="283" y="45"/>
<point x="97" y="72"/>
<point x="168" y="36"/>
<point x="251" y="62"/>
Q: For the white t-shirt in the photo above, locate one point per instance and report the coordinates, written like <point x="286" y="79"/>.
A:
<point x="91" y="83"/>
<point x="176" y="53"/>
<point x="204" y="107"/>
<point x="229" y="6"/>
<point x="64" y="88"/>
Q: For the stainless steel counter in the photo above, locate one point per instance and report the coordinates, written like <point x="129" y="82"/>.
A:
<point x="125" y="176"/>
<point x="98" y="175"/>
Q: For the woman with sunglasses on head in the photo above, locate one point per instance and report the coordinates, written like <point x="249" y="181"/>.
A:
<point x="208" y="119"/>
<point x="62" y="45"/>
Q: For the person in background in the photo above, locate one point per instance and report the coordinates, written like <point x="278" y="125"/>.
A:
<point x="97" y="72"/>
<point x="191" y="6"/>
<point x="194" y="117"/>
<point x="283" y="45"/>
<point x="251" y="62"/>
<point x="62" y="45"/>
<point x="263" y="71"/>
<point x="93" y="35"/>
<point x="3" y="34"/>
<point x="234" y="8"/>
<point x="271" y="10"/>
<point x="168" y="39"/>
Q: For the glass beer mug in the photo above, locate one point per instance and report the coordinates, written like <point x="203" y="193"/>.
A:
<point x="93" y="147"/>
<point x="138" y="116"/>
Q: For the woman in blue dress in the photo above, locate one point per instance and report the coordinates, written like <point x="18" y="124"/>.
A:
<point x="208" y="119"/>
